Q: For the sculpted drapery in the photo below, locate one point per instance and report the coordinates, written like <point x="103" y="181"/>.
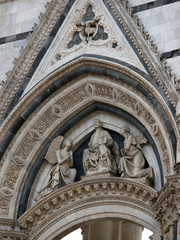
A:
<point x="62" y="172"/>
<point x="132" y="162"/>
<point x="102" y="156"/>
<point x="98" y="157"/>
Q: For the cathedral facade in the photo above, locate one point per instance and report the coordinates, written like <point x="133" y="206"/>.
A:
<point x="90" y="119"/>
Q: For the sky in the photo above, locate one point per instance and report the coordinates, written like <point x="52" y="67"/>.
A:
<point x="77" y="235"/>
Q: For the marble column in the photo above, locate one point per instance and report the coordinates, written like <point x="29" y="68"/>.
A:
<point x="112" y="230"/>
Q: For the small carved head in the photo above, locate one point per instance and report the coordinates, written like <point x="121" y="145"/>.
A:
<point x="124" y="131"/>
<point x="68" y="143"/>
<point x="97" y="123"/>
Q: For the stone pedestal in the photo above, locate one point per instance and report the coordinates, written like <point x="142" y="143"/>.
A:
<point x="98" y="175"/>
<point x="112" y="230"/>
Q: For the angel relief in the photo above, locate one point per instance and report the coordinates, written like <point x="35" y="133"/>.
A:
<point x="62" y="172"/>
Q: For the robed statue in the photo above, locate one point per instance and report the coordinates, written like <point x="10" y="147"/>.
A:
<point x="102" y="152"/>
<point x="132" y="161"/>
<point x="62" y="172"/>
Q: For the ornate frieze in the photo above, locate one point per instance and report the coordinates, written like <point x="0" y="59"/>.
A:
<point x="5" y="196"/>
<point x="13" y="235"/>
<point x="81" y="194"/>
<point x="62" y="107"/>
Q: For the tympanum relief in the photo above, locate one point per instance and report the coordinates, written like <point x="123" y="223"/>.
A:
<point x="62" y="172"/>
<point x="99" y="155"/>
<point x="132" y="161"/>
<point x="102" y="156"/>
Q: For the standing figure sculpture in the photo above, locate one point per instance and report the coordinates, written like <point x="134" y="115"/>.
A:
<point x="98" y="157"/>
<point x="132" y="162"/>
<point x="62" y="159"/>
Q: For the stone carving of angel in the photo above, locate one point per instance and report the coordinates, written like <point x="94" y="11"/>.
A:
<point x="62" y="160"/>
<point x="132" y="162"/>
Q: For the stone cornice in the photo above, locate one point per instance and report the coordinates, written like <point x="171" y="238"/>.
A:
<point x="83" y="193"/>
<point x="36" y="41"/>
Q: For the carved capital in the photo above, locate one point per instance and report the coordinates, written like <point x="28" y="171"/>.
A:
<point x="167" y="206"/>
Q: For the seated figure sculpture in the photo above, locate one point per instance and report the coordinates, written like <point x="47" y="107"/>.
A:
<point x="98" y="157"/>
<point x="132" y="162"/>
<point x="62" y="172"/>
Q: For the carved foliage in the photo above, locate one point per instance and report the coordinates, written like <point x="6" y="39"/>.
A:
<point x="167" y="206"/>
<point x="12" y="235"/>
<point x="103" y="91"/>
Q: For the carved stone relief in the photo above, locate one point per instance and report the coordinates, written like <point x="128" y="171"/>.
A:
<point x="89" y="29"/>
<point x="62" y="172"/>
<point x="85" y="93"/>
<point x="70" y="199"/>
<point x="132" y="162"/>
<point x="36" y="41"/>
<point x="5" y="196"/>
<point x="98" y="158"/>
<point x="167" y="207"/>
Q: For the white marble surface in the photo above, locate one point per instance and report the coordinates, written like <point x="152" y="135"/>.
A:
<point x="163" y="25"/>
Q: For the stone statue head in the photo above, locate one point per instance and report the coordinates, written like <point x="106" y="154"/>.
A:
<point x="67" y="143"/>
<point x="125" y="130"/>
<point x="97" y="123"/>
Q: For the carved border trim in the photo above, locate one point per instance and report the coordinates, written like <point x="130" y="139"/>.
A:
<point x="14" y="235"/>
<point x="149" y="58"/>
<point x="84" y="193"/>
<point x="28" y="54"/>
<point x="37" y="132"/>
<point x="167" y="206"/>
<point x="70" y="67"/>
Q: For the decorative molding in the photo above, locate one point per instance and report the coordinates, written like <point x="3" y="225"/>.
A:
<point x="6" y="1"/>
<point x="83" y="194"/>
<point x="37" y="39"/>
<point x="35" y="132"/>
<point x="70" y="67"/>
<point x="149" y="58"/>
<point x="13" y="235"/>
<point x="28" y="53"/>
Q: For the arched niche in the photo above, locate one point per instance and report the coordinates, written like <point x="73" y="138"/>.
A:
<point x="80" y="134"/>
<point x="65" y="98"/>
